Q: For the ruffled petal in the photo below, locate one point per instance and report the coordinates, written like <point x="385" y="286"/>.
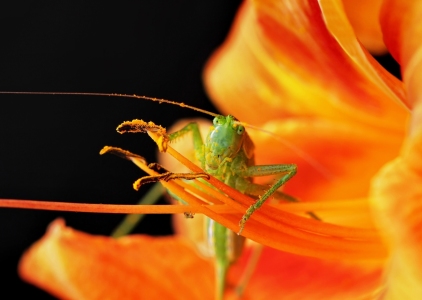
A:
<point x="397" y="203"/>
<point x="335" y="160"/>
<point x="280" y="275"/>
<point x="402" y="28"/>
<point x="397" y="189"/>
<point x="74" y="265"/>
<point x="301" y="58"/>
<point x="364" y="18"/>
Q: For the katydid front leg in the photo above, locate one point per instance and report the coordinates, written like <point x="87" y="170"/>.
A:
<point x="198" y="142"/>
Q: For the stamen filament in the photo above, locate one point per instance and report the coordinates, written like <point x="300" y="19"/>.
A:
<point x="270" y="225"/>
<point x="289" y="232"/>
<point x="105" y="208"/>
<point x="350" y="204"/>
<point x="275" y="217"/>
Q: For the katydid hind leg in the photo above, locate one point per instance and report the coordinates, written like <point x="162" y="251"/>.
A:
<point x="288" y="171"/>
<point x="256" y="190"/>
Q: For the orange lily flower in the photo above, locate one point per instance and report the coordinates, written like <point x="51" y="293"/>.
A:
<point x="296" y="69"/>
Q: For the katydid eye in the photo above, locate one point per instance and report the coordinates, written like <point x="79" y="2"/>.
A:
<point x="240" y="129"/>
<point x="219" y="120"/>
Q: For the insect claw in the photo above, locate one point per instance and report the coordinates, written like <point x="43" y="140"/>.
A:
<point x="242" y="224"/>
<point x="240" y="230"/>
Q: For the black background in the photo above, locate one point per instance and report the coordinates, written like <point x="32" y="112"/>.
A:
<point x="49" y="144"/>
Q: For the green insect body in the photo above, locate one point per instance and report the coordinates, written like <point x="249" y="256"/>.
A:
<point x="228" y="155"/>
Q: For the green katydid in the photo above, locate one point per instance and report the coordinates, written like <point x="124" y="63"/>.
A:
<point x="227" y="154"/>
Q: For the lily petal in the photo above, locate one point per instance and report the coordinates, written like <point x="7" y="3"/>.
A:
<point x="335" y="160"/>
<point x="396" y="198"/>
<point x="397" y="189"/>
<point x="301" y="58"/>
<point x="75" y="265"/>
<point x="363" y="16"/>
<point x="282" y="275"/>
<point x="400" y="21"/>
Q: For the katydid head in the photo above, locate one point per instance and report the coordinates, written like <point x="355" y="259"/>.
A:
<point x="224" y="140"/>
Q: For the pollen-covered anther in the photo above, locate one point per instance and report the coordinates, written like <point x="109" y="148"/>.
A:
<point x="157" y="168"/>
<point x="121" y="153"/>
<point x="136" y="126"/>
<point x="167" y="176"/>
<point x="137" y="184"/>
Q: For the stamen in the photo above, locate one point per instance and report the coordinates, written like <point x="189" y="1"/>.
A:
<point x="350" y="204"/>
<point x="136" y="126"/>
<point x="102" y="208"/>
<point x="167" y="176"/>
<point x="284" y="231"/>
<point x="269" y="225"/>
<point x="120" y="153"/>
